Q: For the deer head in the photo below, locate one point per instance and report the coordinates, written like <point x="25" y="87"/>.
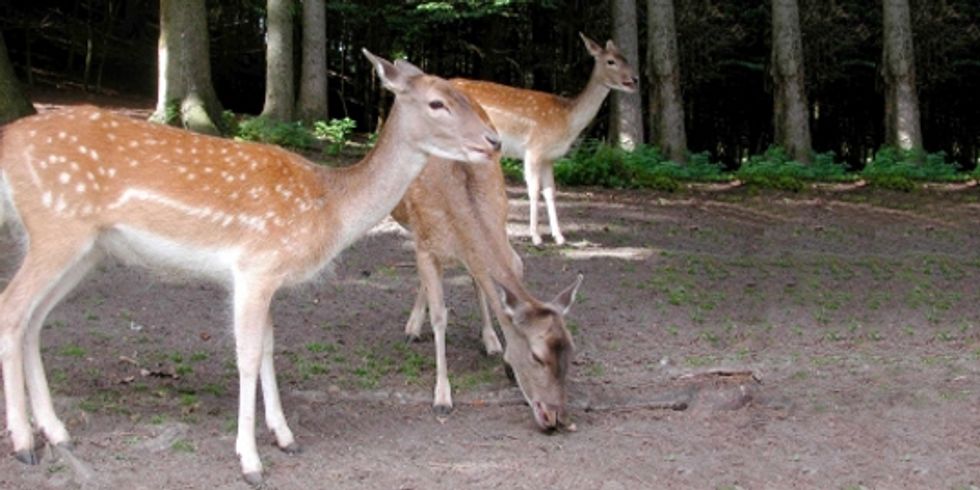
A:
<point x="615" y="72"/>
<point x="449" y="124"/>
<point x="541" y="352"/>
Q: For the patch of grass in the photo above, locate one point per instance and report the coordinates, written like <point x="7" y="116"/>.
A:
<point x="182" y="446"/>
<point x="73" y="351"/>
<point x="319" y="348"/>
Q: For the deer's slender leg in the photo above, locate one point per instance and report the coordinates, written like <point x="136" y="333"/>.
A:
<point x="548" y="192"/>
<point x="252" y="299"/>
<point x="37" y="383"/>
<point x="41" y="272"/>
<point x="431" y="275"/>
<point x="275" y="420"/>
<point x="413" y="328"/>
<point x="532" y="177"/>
<point x="490" y="340"/>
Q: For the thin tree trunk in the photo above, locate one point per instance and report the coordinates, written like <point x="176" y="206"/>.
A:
<point x="902" y="120"/>
<point x="626" y="125"/>
<point x="666" y="104"/>
<point x="13" y="103"/>
<point x="791" y="115"/>
<point x="312" y="103"/>
<point x="185" y="95"/>
<point x="280" y="96"/>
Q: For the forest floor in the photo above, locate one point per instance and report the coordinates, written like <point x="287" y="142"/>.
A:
<point x="725" y="340"/>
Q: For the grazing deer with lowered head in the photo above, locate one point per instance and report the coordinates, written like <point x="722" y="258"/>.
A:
<point x="539" y="127"/>
<point x="85" y="183"/>
<point x="458" y="212"/>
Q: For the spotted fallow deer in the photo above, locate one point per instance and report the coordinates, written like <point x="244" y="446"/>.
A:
<point x="84" y="183"/>
<point x="458" y="213"/>
<point x="539" y="127"/>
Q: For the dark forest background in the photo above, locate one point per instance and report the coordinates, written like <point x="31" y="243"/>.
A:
<point x="724" y="49"/>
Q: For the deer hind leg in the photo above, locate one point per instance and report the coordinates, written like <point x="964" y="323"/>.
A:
<point x="37" y="384"/>
<point x="252" y="298"/>
<point x="413" y="328"/>
<point x="431" y="275"/>
<point x="532" y="177"/>
<point x="490" y="340"/>
<point x="275" y="420"/>
<point x="41" y="273"/>
<point x="548" y="192"/>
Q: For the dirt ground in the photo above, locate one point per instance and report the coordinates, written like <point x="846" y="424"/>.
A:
<point x="725" y="340"/>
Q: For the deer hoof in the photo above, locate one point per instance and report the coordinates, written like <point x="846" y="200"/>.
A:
<point x="254" y="479"/>
<point x="292" y="448"/>
<point x="27" y="456"/>
<point x="559" y="240"/>
<point x="442" y="410"/>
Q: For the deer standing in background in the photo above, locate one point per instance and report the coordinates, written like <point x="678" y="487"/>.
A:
<point x="253" y="217"/>
<point x="539" y="127"/>
<point x="458" y="212"/>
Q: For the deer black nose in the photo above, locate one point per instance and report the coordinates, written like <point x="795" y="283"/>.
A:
<point x="636" y="80"/>
<point x="494" y="142"/>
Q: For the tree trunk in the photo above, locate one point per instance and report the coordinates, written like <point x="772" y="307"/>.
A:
<point x="666" y="105"/>
<point x="791" y="114"/>
<point x="312" y="103"/>
<point x="185" y="95"/>
<point x="279" y="92"/>
<point x="626" y="125"/>
<point x="13" y="103"/>
<point x="898" y="68"/>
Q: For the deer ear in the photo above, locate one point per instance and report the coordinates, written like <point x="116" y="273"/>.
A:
<point x="565" y="298"/>
<point x="409" y="70"/>
<point x="611" y="46"/>
<point x="509" y="302"/>
<point x="592" y="46"/>
<point x="392" y="77"/>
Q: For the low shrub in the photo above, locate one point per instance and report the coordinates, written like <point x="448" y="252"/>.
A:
<point x="287" y="134"/>
<point x="903" y="170"/>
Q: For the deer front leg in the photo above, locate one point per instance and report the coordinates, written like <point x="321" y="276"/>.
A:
<point x="37" y="384"/>
<point x="252" y="300"/>
<point x="275" y="420"/>
<point x="413" y="328"/>
<point x="532" y="177"/>
<point x="38" y="275"/>
<point x="431" y="275"/>
<point x="548" y="192"/>
<point x="490" y="340"/>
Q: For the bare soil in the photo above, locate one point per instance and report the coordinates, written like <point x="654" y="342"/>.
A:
<point x="725" y="340"/>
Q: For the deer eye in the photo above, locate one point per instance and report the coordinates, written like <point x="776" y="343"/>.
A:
<point x="611" y="62"/>
<point x="436" y="105"/>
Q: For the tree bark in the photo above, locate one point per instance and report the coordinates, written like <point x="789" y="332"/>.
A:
<point x="280" y="94"/>
<point x="13" y="103"/>
<point x="902" y="120"/>
<point x="666" y="104"/>
<point x="185" y="95"/>
<point x="312" y="103"/>
<point x="791" y="114"/>
<point x="626" y="125"/>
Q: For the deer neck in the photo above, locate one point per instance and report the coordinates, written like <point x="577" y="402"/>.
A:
<point x="586" y="105"/>
<point x="369" y="190"/>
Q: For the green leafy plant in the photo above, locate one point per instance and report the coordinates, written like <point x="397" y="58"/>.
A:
<point x="774" y="169"/>
<point x="513" y="169"/>
<point x="597" y="163"/>
<point x="902" y="170"/>
<point x="337" y="132"/>
<point x="288" y="134"/>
